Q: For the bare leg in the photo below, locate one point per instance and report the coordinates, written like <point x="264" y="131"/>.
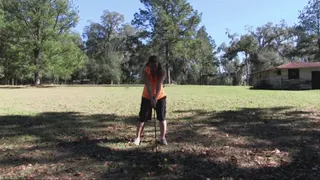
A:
<point x="142" y="133"/>
<point x="140" y="127"/>
<point x="163" y="129"/>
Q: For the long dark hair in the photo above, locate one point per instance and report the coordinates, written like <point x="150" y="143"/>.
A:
<point x="155" y="59"/>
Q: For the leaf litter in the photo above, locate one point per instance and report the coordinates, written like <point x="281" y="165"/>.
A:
<point x="218" y="144"/>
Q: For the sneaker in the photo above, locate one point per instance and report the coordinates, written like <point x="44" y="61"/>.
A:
<point x="163" y="142"/>
<point x="136" y="141"/>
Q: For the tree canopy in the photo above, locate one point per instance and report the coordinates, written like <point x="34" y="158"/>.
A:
<point x="38" y="44"/>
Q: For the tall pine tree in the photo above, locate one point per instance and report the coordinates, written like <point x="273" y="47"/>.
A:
<point x="166" y="22"/>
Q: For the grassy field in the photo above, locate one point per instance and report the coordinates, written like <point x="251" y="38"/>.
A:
<point x="213" y="132"/>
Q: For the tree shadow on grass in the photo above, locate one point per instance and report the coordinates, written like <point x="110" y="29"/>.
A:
<point x="27" y="86"/>
<point x="73" y="145"/>
<point x="70" y="144"/>
<point x="7" y="87"/>
<point x="265" y="143"/>
<point x="62" y="139"/>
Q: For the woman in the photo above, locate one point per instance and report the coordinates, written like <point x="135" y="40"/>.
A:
<point x="153" y="96"/>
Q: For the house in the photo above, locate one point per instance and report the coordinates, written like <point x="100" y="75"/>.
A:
<point x="293" y="75"/>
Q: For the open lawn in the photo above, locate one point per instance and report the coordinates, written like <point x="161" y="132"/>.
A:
<point x="213" y="132"/>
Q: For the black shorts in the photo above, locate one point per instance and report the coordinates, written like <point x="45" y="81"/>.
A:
<point x="145" y="113"/>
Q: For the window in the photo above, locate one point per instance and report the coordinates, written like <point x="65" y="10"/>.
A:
<point x="278" y="72"/>
<point x="293" y="73"/>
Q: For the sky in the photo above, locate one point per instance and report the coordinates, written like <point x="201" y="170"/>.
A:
<point x="217" y="15"/>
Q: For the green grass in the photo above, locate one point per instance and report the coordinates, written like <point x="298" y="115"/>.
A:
<point x="213" y="132"/>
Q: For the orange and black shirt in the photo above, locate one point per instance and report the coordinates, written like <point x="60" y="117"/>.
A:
<point x="153" y="81"/>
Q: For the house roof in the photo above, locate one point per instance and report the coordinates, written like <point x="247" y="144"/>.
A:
<point x="294" y="65"/>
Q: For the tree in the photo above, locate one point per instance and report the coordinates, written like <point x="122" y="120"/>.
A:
<point x="43" y="26"/>
<point x="233" y="71"/>
<point x="305" y="48"/>
<point x="65" y="56"/>
<point x="104" y="46"/>
<point x="135" y="54"/>
<point x="1" y="42"/>
<point x="275" y="45"/>
<point x="309" y="23"/>
<point x="268" y="46"/>
<point x="165" y="24"/>
<point x="1" y="15"/>
<point x="13" y="53"/>
<point x="246" y="44"/>
<point x="205" y="55"/>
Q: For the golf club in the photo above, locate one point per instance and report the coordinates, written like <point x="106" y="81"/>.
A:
<point x="155" y="128"/>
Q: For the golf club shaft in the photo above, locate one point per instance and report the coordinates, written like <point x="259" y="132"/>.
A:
<point x="155" y="127"/>
<point x="155" y="124"/>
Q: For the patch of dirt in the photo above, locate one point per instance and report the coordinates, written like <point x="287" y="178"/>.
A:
<point x="213" y="145"/>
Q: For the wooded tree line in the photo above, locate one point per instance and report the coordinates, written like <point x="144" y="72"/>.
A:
<point x="38" y="44"/>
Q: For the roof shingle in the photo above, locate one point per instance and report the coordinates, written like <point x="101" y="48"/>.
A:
<point x="294" y="65"/>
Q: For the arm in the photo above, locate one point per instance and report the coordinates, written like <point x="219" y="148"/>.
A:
<point x="160" y="83"/>
<point x="145" y="80"/>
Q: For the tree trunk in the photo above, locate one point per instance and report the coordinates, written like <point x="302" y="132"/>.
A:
<point x="167" y="64"/>
<point x="168" y="73"/>
<point x="207" y="80"/>
<point x="247" y="62"/>
<point x="36" y="78"/>
<point x="36" y="53"/>
<point x="6" y="73"/>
